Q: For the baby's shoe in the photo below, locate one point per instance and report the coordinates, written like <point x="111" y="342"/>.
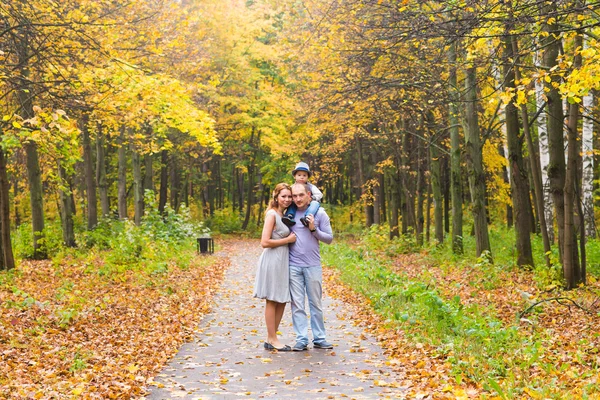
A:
<point x="288" y="221"/>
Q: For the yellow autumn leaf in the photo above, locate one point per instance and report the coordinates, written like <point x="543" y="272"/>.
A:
<point x="506" y="97"/>
<point x="77" y="391"/>
<point x="521" y="98"/>
<point x="460" y="394"/>
<point x="133" y="368"/>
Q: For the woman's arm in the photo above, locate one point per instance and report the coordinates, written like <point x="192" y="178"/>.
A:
<point x="265" y="239"/>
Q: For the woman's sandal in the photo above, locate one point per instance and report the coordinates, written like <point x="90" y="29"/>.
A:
<point x="269" y="346"/>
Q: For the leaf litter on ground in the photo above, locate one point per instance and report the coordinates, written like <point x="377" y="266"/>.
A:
<point x="67" y="331"/>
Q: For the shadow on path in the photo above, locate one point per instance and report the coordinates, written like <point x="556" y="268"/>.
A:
<point x="227" y="359"/>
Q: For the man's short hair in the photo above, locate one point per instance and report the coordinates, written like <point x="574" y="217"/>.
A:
<point x="306" y="187"/>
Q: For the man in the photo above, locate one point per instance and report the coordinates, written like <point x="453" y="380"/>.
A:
<point x="306" y="274"/>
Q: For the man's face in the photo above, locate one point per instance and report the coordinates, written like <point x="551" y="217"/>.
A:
<point x="301" y="197"/>
<point x="301" y="177"/>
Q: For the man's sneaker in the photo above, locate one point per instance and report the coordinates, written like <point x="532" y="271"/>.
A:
<point x="287" y="221"/>
<point x="323" y="345"/>
<point x="299" y="347"/>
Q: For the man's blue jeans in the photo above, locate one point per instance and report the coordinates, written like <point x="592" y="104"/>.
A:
<point x="307" y="282"/>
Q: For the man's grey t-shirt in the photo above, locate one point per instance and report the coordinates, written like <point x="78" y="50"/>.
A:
<point x="305" y="251"/>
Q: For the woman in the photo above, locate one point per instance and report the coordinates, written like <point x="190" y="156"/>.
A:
<point x="272" y="275"/>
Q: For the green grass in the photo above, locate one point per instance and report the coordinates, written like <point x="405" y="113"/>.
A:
<point x="478" y="345"/>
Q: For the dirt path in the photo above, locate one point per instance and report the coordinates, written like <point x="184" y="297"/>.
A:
<point x="227" y="360"/>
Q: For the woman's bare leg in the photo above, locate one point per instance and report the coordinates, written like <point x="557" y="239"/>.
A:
<point x="271" y="309"/>
<point x="279" y="315"/>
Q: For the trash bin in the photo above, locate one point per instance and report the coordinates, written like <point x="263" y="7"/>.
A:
<point x="206" y="246"/>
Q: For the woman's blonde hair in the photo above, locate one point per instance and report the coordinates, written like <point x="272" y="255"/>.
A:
<point x="280" y="186"/>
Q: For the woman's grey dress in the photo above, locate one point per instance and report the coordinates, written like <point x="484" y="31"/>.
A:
<point x="273" y="272"/>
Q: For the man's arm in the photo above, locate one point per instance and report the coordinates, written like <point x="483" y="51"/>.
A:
<point x="323" y="230"/>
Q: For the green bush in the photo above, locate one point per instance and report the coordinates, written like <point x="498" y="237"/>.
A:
<point x="51" y="243"/>
<point x="225" y="220"/>
<point x="346" y="220"/>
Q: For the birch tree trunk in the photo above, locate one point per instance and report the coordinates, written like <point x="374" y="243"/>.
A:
<point x="544" y="154"/>
<point x="587" y="144"/>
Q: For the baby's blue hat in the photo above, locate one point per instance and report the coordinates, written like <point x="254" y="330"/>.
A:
<point x="302" y="166"/>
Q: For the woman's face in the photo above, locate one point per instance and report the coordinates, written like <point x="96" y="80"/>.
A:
<point x="284" y="199"/>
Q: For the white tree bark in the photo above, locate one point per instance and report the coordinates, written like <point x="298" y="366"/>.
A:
<point x="501" y="114"/>
<point x="540" y="98"/>
<point x="587" y="148"/>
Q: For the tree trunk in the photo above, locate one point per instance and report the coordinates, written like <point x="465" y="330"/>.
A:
<point x="122" y="175"/>
<point x="446" y="194"/>
<point x="394" y="205"/>
<point x="138" y="186"/>
<point x="164" y="180"/>
<point x="25" y="99"/>
<point x="556" y="146"/>
<point x="436" y="181"/>
<point x="421" y="189"/>
<point x="407" y="182"/>
<point x="7" y="259"/>
<point x="249" y="197"/>
<point x="175" y="199"/>
<point x="90" y="182"/>
<point x="361" y="179"/>
<point x="474" y="160"/>
<point x="66" y="209"/>
<point x="542" y="130"/>
<point x="571" y="267"/>
<point x="519" y="180"/>
<point x="34" y="175"/>
<point x="207" y="193"/>
<point x="101" y="172"/>
<point x="261" y="194"/>
<point x="148" y="172"/>
<point x="17" y="205"/>
<point x="587" y="145"/>
<point x="240" y="190"/>
<point x="534" y="162"/>
<point x="455" y="170"/>
<point x="382" y="192"/>
<point x="377" y="200"/>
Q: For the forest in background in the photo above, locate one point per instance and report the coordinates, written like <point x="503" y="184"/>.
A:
<point x="412" y="113"/>
<point x="456" y="143"/>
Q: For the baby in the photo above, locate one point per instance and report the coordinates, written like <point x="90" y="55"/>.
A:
<point x="301" y="174"/>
